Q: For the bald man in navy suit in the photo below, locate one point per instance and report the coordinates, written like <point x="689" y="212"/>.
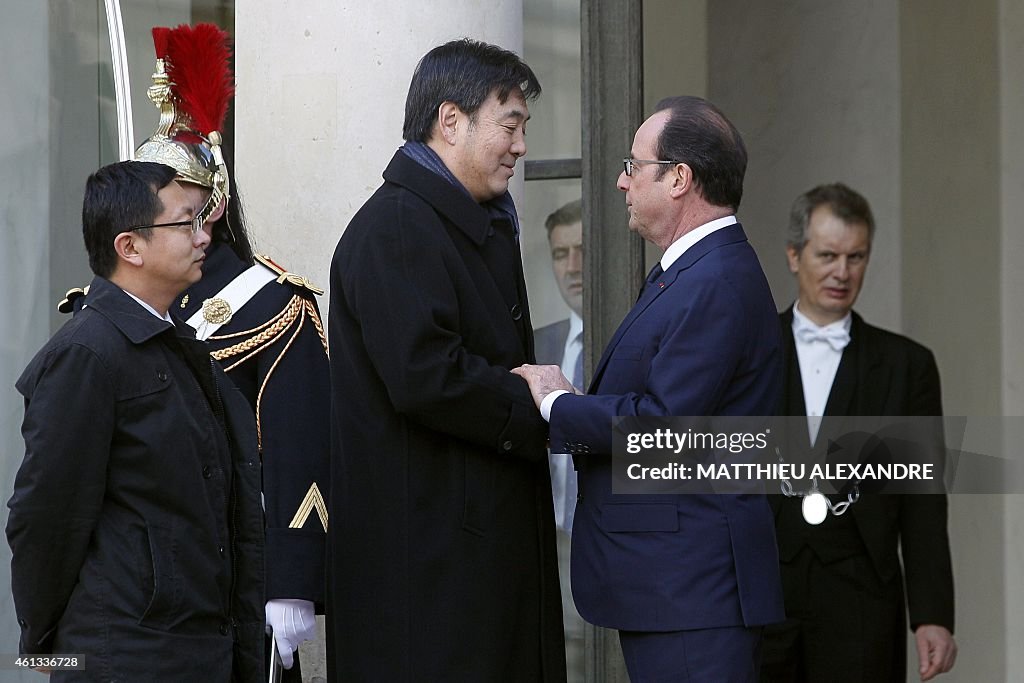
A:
<point x="688" y="580"/>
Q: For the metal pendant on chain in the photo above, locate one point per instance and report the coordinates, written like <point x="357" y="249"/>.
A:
<point x="815" y="505"/>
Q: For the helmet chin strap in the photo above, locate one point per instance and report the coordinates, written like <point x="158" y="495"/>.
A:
<point x="211" y="207"/>
<point x="220" y="191"/>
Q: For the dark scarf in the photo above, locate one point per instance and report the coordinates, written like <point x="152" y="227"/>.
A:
<point x="501" y="207"/>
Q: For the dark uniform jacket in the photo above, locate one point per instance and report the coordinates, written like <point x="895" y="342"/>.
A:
<point x="273" y="349"/>
<point x="135" y="524"/>
<point x="442" y="546"/>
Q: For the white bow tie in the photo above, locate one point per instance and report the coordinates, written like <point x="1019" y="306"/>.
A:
<point x="834" y="336"/>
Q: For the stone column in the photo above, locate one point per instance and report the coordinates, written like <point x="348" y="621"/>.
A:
<point x="320" y="105"/>
<point x="950" y="196"/>
<point x="813" y="88"/>
<point x="1011" y="53"/>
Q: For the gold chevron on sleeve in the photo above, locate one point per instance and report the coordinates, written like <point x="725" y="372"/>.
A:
<point x="313" y="500"/>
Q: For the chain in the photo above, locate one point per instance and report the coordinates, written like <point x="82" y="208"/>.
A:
<point x="268" y="332"/>
<point x="317" y="324"/>
<point x="291" y="318"/>
<point x="835" y="508"/>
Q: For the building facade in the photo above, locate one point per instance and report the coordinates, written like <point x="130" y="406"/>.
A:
<point x="912" y="102"/>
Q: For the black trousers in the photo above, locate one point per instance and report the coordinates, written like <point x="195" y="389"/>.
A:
<point x="843" y="625"/>
<point x="723" y="655"/>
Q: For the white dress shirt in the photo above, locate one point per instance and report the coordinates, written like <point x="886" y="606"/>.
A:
<point x="166" y="316"/>
<point x="563" y="476"/>
<point x="819" y="360"/>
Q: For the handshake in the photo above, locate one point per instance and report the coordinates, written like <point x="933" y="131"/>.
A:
<point x="544" y="380"/>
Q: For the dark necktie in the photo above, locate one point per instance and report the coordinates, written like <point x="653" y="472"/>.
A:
<point x="652" y="277"/>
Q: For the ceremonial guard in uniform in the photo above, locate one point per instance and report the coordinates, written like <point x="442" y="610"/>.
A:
<point x="260" y="321"/>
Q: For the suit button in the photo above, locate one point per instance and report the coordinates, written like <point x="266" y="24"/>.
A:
<point x="161" y="375"/>
<point x="579" y="497"/>
<point x="206" y="472"/>
<point x="516" y="311"/>
<point x="220" y="550"/>
<point x="507" y="446"/>
<point x="22" y="623"/>
<point x="225" y="629"/>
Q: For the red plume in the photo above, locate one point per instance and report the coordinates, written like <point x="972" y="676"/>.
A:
<point x="200" y="69"/>
<point x="160" y="40"/>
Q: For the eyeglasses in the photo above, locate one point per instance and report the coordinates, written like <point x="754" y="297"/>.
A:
<point x="629" y="163"/>
<point x="196" y="224"/>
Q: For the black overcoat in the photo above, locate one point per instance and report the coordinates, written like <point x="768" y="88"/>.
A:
<point x="441" y="546"/>
<point x="135" y="525"/>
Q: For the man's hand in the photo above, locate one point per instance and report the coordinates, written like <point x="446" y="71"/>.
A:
<point x="543" y="379"/>
<point x="292" y="621"/>
<point x="936" y="650"/>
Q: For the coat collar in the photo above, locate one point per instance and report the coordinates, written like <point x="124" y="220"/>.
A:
<point x="448" y="200"/>
<point x="133" y="321"/>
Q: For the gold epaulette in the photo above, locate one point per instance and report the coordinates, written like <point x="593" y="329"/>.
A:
<point x="67" y="304"/>
<point x="284" y="276"/>
<point x="283" y="326"/>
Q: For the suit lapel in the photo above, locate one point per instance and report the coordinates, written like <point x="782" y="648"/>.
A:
<point x="844" y="386"/>
<point x="796" y="440"/>
<point x="861" y="382"/>
<point x="727" y="235"/>
<point x="793" y="387"/>
<point x="647" y="297"/>
<point x="872" y="371"/>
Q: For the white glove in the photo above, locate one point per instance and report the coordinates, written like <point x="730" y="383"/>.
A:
<point x="292" y="622"/>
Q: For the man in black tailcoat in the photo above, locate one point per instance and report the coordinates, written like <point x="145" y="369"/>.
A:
<point x="843" y="580"/>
